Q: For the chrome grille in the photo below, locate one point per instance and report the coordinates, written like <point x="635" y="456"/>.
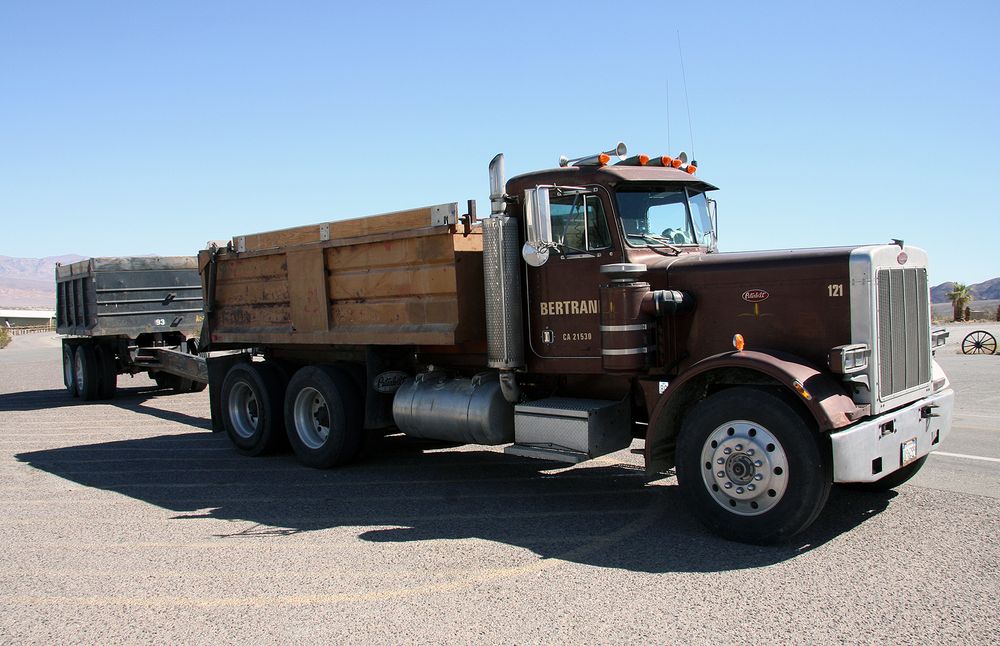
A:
<point x="903" y="330"/>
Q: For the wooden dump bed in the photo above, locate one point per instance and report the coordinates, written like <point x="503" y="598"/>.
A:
<point x="404" y="278"/>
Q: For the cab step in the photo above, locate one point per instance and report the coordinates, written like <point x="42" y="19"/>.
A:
<point x="570" y="430"/>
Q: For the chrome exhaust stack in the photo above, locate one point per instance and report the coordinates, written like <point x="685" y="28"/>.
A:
<point x="502" y="282"/>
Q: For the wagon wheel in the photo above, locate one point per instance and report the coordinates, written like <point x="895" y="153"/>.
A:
<point x="979" y="342"/>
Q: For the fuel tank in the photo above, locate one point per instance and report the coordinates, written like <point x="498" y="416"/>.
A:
<point x="437" y="406"/>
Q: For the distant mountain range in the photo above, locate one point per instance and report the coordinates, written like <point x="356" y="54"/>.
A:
<point x="30" y="282"/>
<point x="987" y="290"/>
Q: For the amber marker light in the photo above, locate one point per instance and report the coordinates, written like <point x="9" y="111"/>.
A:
<point x="676" y="163"/>
<point x="801" y="390"/>
<point x="738" y="342"/>
<point x="643" y="160"/>
<point x="666" y="160"/>
<point x="603" y="159"/>
<point x="690" y="169"/>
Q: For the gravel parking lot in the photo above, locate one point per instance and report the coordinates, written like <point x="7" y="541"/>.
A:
<point x="129" y="521"/>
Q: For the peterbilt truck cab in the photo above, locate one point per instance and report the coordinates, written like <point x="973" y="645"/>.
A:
<point x="760" y="378"/>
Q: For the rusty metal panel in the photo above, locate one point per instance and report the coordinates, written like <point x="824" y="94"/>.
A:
<point x="129" y="296"/>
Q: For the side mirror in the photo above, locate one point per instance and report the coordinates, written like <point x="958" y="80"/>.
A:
<point x="538" y="225"/>
<point x="713" y="218"/>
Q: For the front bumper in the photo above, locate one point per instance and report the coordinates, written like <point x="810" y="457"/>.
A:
<point x="872" y="449"/>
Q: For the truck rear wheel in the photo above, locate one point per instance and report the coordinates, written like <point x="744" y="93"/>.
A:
<point x="69" y="370"/>
<point x="252" y="408"/>
<point x="751" y="467"/>
<point x="86" y="372"/>
<point x="108" y="371"/>
<point x="323" y="416"/>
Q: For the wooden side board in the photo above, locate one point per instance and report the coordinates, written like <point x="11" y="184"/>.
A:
<point x="422" y="289"/>
<point x="353" y="228"/>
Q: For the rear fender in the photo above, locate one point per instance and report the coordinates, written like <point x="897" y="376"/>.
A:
<point x="829" y="403"/>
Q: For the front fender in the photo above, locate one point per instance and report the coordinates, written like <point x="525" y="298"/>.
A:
<point x="829" y="404"/>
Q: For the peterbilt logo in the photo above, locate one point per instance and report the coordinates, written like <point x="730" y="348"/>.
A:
<point x="389" y="382"/>
<point x="755" y="295"/>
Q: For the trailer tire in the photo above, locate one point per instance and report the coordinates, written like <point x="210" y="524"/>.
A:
<point x="69" y="370"/>
<point x="107" y="385"/>
<point x="751" y="467"/>
<point x="251" y="408"/>
<point x="86" y="372"/>
<point x="323" y="416"/>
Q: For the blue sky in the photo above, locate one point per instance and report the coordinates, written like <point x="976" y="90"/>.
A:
<point x="133" y="128"/>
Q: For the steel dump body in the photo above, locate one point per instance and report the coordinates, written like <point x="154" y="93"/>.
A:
<point x="128" y="296"/>
<point x="394" y="279"/>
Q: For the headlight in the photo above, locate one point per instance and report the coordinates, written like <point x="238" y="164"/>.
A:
<point x="845" y="359"/>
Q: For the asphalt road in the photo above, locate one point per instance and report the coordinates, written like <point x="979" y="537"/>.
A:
<point x="130" y="521"/>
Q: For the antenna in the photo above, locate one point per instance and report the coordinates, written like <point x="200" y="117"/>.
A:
<point x="668" y="115"/>
<point x="687" y="103"/>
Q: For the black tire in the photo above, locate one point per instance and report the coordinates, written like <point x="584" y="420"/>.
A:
<point x="178" y="384"/>
<point x="86" y="372"/>
<point x="252" y="408"/>
<point x="164" y="380"/>
<point x="69" y="370"/>
<point x="108" y="369"/>
<point x="750" y="467"/>
<point x="892" y="480"/>
<point x="323" y="417"/>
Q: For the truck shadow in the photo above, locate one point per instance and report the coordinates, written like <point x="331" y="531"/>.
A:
<point x="607" y="515"/>
<point x="132" y="399"/>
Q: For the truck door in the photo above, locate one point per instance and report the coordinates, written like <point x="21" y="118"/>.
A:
<point x="563" y="294"/>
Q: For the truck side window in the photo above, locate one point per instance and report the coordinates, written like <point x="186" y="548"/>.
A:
<point x="578" y="222"/>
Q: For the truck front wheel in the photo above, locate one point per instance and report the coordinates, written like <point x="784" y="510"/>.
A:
<point x="252" y="406"/>
<point x="323" y="416"/>
<point x="751" y="467"/>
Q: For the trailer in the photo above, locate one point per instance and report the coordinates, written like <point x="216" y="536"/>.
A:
<point x="591" y="309"/>
<point x="126" y="316"/>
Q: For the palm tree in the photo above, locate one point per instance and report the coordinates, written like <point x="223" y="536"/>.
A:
<point x="960" y="296"/>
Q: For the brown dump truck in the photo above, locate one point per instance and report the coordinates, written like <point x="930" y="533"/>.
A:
<point x="590" y="310"/>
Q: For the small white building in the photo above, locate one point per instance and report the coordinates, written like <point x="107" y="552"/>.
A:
<point x="27" y="318"/>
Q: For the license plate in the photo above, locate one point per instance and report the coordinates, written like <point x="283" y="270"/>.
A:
<point x="909" y="451"/>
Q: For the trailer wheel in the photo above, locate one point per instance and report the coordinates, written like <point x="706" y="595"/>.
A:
<point x="86" y="372"/>
<point x="751" y="467"/>
<point x="108" y="371"/>
<point x="323" y="416"/>
<point x="69" y="370"/>
<point x="251" y="408"/>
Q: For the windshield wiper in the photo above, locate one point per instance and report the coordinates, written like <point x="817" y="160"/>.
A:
<point x="667" y="242"/>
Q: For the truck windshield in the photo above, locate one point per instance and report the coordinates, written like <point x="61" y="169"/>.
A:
<point x="655" y="217"/>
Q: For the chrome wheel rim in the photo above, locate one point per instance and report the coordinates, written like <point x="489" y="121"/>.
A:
<point x="78" y="369"/>
<point x="312" y="418"/>
<point x="744" y="468"/>
<point x="244" y="410"/>
<point x="68" y="369"/>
